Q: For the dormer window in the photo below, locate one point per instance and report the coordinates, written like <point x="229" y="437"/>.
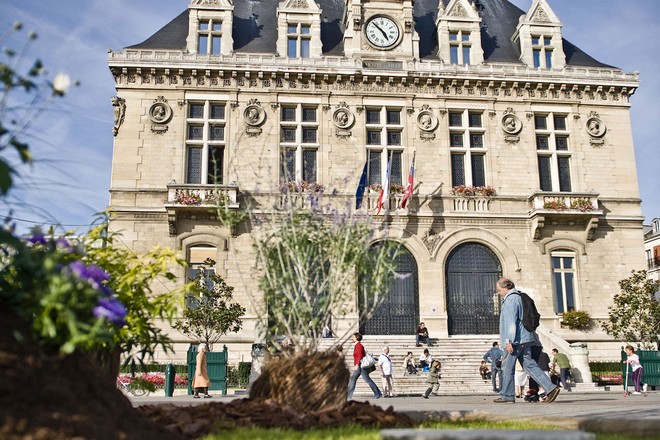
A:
<point x="459" y="47"/>
<point x="209" y="37"/>
<point x="542" y="51"/>
<point x="299" y="37"/>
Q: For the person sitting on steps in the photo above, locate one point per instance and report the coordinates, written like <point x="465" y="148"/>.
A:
<point x="422" y="335"/>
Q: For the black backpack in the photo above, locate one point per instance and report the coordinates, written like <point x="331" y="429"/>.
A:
<point x="531" y="317"/>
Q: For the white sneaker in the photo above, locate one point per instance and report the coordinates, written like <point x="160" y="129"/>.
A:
<point x="637" y="392"/>
<point x="645" y="387"/>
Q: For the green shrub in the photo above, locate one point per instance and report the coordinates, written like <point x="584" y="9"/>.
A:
<point x="239" y="377"/>
<point x="576" y="320"/>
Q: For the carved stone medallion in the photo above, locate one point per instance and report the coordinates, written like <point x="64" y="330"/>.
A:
<point x="343" y="118"/>
<point x="511" y="124"/>
<point x="426" y="120"/>
<point x="254" y="115"/>
<point x="160" y="112"/>
<point x="595" y="126"/>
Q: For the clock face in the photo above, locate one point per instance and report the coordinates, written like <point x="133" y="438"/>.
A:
<point x="382" y="32"/>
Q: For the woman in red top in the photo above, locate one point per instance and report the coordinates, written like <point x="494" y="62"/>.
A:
<point x="358" y="353"/>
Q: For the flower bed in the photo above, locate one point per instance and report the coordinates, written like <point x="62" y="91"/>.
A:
<point x="158" y="379"/>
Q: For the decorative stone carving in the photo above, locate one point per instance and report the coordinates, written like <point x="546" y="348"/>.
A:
<point x="431" y="239"/>
<point x="119" y="111"/>
<point x="254" y="116"/>
<point x="541" y="16"/>
<point x="596" y="128"/>
<point x="511" y="124"/>
<point x="160" y="112"/>
<point x="343" y="119"/>
<point x="427" y="122"/>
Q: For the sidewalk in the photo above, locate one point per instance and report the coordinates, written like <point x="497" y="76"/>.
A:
<point x="594" y="411"/>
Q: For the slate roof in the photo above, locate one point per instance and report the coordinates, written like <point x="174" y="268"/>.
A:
<point x="255" y="30"/>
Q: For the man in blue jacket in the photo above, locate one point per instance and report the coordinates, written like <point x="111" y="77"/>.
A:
<point x="517" y="343"/>
<point x="494" y="357"/>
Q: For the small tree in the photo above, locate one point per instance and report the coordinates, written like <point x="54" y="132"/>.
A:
<point x="635" y="315"/>
<point x="210" y="314"/>
<point x="311" y="261"/>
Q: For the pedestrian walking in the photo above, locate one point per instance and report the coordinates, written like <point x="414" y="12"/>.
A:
<point x="385" y="368"/>
<point x="517" y="342"/>
<point x="358" y="353"/>
<point x="637" y="369"/>
<point x="435" y="374"/>
<point x="201" y="381"/>
<point x="560" y="360"/>
<point x="494" y="357"/>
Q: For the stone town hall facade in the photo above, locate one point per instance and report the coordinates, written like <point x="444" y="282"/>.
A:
<point x="236" y="98"/>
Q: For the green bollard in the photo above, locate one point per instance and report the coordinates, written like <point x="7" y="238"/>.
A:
<point x="170" y="372"/>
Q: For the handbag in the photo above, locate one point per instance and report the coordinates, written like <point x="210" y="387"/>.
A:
<point x="367" y="361"/>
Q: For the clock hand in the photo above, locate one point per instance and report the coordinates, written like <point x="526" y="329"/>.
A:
<point x="382" y="31"/>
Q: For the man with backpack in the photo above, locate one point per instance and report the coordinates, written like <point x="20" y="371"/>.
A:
<point x="517" y="335"/>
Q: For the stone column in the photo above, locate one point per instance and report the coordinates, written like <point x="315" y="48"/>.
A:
<point x="579" y="357"/>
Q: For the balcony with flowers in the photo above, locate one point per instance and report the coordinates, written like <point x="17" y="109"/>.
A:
<point x="577" y="208"/>
<point x="299" y="194"/>
<point x="395" y="196"/>
<point x="469" y="198"/>
<point x="190" y="199"/>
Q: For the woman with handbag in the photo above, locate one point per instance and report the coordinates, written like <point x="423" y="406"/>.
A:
<point x="364" y="364"/>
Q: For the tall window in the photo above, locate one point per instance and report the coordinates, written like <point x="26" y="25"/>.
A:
<point x="384" y="144"/>
<point x="196" y="256"/>
<point x="209" y="36"/>
<point x="553" y="151"/>
<point x="459" y="47"/>
<point x="205" y="142"/>
<point x="298" y="143"/>
<point x="563" y="274"/>
<point x="542" y="51"/>
<point x="467" y="148"/>
<point x="299" y="37"/>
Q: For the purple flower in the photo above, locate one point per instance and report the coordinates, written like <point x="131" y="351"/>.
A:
<point x="38" y="239"/>
<point x="64" y="243"/>
<point x="111" y="309"/>
<point x="94" y="275"/>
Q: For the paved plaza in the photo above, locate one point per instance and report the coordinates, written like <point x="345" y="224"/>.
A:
<point x="596" y="410"/>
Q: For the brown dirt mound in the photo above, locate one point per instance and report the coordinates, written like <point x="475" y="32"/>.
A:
<point x="194" y="421"/>
<point x="306" y="382"/>
<point x="46" y="396"/>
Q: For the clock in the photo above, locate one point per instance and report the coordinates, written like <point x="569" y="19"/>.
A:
<point x="382" y="32"/>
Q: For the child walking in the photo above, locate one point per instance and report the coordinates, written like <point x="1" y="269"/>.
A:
<point x="433" y="379"/>
<point x="637" y="369"/>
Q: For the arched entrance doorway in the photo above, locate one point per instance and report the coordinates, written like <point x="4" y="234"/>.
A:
<point x="473" y="304"/>
<point x="398" y="314"/>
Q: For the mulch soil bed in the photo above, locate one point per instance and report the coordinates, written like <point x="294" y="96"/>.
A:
<point x="45" y="396"/>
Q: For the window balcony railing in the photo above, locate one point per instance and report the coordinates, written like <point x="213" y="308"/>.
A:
<point x="654" y="263"/>
<point x="184" y="198"/>
<point x="471" y="204"/>
<point x="565" y="203"/>
<point x="204" y="196"/>
<point x="394" y="200"/>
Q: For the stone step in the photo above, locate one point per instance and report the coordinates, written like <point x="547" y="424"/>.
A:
<point x="460" y="357"/>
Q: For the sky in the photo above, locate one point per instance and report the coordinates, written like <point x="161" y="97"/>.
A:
<point x="72" y="140"/>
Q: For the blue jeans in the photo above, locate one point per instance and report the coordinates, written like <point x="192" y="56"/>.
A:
<point x="496" y="375"/>
<point x="424" y="339"/>
<point x="359" y="371"/>
<point x="564" y="373"/>
<point x="522" y="353"/>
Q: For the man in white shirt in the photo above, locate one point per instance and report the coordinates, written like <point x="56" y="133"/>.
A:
<point x="385" y="368"/>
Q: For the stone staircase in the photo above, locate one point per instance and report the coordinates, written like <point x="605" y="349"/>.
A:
<point x="460" y="356"/>
<point x="460" y="359"/>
